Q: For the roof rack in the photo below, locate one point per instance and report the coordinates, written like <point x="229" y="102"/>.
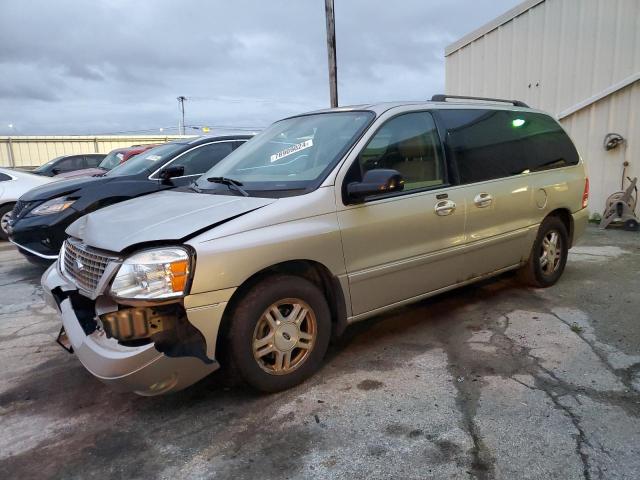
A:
<point x="443" y="98"/>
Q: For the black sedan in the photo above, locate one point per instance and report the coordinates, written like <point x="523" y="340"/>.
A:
<point x="42" y="215"/>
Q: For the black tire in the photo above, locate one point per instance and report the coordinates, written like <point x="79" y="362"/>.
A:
<point x="4" y="210"/>
<point x="243" y="328"/>
<point x="534" y="273"/>
<point x="631" y="225"/>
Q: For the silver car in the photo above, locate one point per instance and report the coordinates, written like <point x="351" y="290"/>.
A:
<point x="322" y="220"/>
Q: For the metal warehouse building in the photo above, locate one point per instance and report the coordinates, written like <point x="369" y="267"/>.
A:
<point x="576" y="59"/>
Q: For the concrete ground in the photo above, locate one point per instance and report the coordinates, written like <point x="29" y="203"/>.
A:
<point x="491" y="381"/>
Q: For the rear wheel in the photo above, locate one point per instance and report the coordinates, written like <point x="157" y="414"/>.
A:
<point x="279" y="333"/>
<point x="548" y="256"/>
<point x="5" y="215"/>
<point x="631" y="225"/>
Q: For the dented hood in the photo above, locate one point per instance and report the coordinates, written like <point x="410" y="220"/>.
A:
<point x="162" y="216"/>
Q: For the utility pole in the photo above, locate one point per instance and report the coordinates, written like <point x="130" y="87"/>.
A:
<point x="331" y="52"/>
<point x="181" y="127"/>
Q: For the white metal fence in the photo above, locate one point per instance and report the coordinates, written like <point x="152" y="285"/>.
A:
<point x="32" y="151"/>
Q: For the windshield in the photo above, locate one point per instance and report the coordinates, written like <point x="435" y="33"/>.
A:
<point x="146" y="161"/>
<point x="112" y="160"/>
<point x="292" y="154"/>
<point x="41" y="168"/>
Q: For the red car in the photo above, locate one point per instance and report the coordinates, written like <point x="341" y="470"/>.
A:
<point x="113" y="159"/>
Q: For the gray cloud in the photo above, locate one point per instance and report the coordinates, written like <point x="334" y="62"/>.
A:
<point x="115" y="65"/>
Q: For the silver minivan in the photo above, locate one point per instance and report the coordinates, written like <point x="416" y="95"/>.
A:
<point x="322" y="220"/>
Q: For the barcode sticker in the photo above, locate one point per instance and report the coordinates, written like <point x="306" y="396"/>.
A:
<point x="291" y="150"/>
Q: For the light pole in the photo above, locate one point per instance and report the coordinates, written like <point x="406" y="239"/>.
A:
<point x="181" y="100"/>
<point x="331" y="52"/>
<point x="12" y="159"/>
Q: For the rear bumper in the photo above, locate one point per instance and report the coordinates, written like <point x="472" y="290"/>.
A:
<point x="580" y="221"/>
<point x="142" y="370"/>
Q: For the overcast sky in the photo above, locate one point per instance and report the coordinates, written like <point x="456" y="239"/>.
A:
<point x="106" y="66"/>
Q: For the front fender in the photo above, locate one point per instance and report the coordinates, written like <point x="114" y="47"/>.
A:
<point x="227" y="262"/>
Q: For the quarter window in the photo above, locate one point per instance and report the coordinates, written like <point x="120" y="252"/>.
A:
<point x="488" y="144"/>
<point x="407" y="143"/>
<point x="4" y="177"/>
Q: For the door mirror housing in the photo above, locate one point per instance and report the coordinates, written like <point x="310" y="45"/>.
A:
<point x="376" y="182"/>
<point x="55" y="171"/>
<point x="170" y="172"/>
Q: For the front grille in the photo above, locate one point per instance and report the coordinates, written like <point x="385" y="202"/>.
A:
<point x="84" y="265"/>
<point x="20" y="208"/>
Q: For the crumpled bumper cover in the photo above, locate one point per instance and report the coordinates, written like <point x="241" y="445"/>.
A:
<point x="142" y="370"/>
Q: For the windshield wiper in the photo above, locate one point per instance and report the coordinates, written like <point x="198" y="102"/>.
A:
<point x="229" y="182"/>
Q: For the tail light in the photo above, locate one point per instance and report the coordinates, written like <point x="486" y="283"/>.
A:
<point x="585" y="194"/>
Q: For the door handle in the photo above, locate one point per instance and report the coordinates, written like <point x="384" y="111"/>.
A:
<point x="445" y="207"/>
<point x="483" y="200"/>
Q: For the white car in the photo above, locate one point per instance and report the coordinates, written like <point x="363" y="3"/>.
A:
<point x="13" y="184"/>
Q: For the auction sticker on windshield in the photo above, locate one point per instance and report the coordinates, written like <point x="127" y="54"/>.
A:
<point x="291" y="150"/>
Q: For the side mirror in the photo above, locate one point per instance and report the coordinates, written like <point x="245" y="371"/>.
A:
<point x="170" y="172"/>
<point x="55" y="171"/>
<point x="375" y="182"/>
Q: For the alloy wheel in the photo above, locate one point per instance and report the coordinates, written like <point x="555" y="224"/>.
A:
<point x="551" y="252"/>
<point x="284" y="336"/>
<point x="4" y="221"/>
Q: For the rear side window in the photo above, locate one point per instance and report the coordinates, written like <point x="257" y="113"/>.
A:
<point x="92" y="161"/>
<point x="69" y="164"/>
<point x="4" y="177"/>
<point x="488" y="144"/>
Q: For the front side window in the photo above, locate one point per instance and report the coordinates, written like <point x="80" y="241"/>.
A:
<point x="293" y="155"/>
<point x="409" y="144"/>
<point x="201" y="159"/>
<point x="47" y="166"/>
<point x="489" y="144"/>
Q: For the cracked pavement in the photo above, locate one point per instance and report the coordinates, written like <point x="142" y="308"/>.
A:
<point x="490" y="381"/>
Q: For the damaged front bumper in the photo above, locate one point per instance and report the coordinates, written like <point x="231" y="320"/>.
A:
<point x="140" y="369"/>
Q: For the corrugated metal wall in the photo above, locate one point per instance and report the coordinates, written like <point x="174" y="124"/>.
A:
<point x="31" y="151"/>
<point x="556" y="55"/>
<point x="619" y="113"/>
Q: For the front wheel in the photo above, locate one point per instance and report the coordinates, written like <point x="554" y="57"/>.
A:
<point x="279" y="333"/>
<point x="548" y="256"/>
<point x="5" y="216"/>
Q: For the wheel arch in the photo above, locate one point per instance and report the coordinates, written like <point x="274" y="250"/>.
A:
<point x="311" y="270"/>
<point x="567" y="219"/>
